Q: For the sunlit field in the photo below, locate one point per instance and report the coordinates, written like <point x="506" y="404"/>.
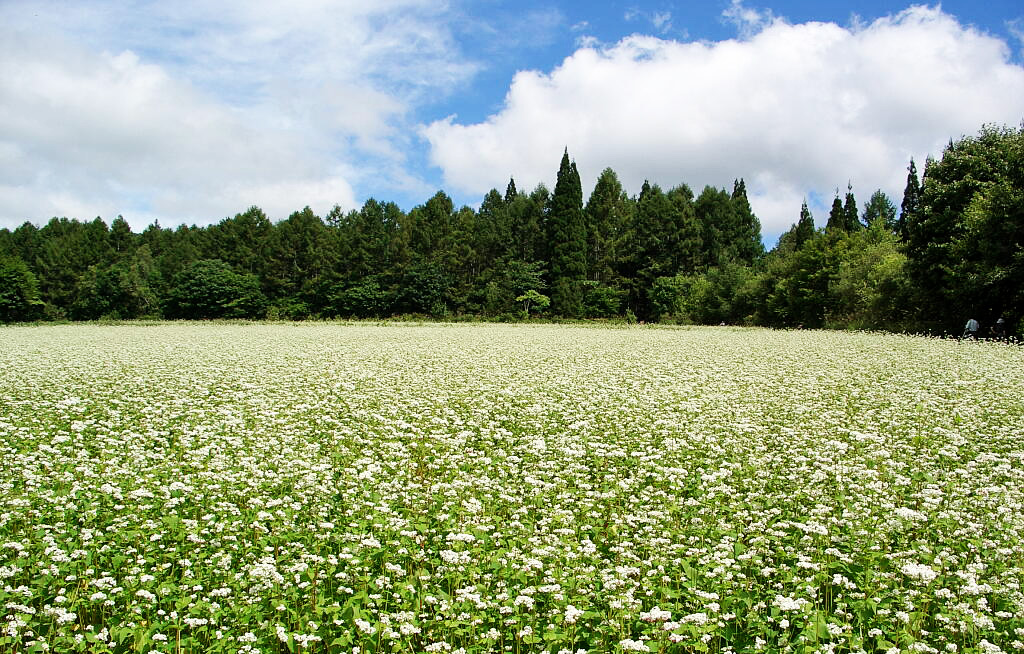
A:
<point x="487" y="488"/>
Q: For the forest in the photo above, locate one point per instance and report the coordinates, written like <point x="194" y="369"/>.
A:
<point x="950" y="251"/>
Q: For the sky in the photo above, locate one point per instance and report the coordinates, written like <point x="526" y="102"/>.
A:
<point x="192" y="111"/>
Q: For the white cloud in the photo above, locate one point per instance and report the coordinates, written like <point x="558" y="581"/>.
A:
<point x="747" y="21"/>
<point x="662" y="21"/>
<point x="188" y="111"/>
<point x="1016" y="29"/>
<point x="796" y="110"/>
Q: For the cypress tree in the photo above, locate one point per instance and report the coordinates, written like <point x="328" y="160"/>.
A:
<point x="804" y="229"/>
<point x="686" y="242"/>
<point x="911" y="200"/>
<point x="836" y="217"/>
<point x="606" y="215"/>
<point x="880" y="210"/>
<point x="568" y="237"/>
<point x="717" y="217"/>
<point x="510" y="191"/>
<point x="851" y="218"/>
<point x="746" y="238"/>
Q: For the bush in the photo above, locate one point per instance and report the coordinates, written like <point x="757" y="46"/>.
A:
<point x="19" y="292"/>
<point x="211" y="289"/>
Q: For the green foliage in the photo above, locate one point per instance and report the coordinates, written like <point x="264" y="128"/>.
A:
<point x="723" y="294"/>
<point x="665" y="298"/>
<point x="716" y="215"/>
<point x="508" y="280"/>
<point x="424" y="289"/>
<point x="871" y="290"/>
<point x="510" y="191"/>
<point x="658" y="256"/>
<point x="836" y="216"/>
<point x="795" y="287"/>
<point x="531" y="299"/>
<point x="243" y="242"/>
<point x="367" y="299"/>
<point x="600" y="301"/>
<point x="302" y="258"/>
<point x="122" y="290"/>
<point x="851" y="220"/>
<point x="804" y="229"/>
<point x="881" y="210"/>
<point x="67" y="248"/>
<point x="567" y="235"/>
<point x="608" y="213"/>
<point x="209" y="288"/>
<point x="988" y="255"/>
<point x="685" y="242"/>
<point x="19" y="292"/>
<point x="744" y="237"/>
<point x="964" y="241"/>
<point x="911" y="200"/>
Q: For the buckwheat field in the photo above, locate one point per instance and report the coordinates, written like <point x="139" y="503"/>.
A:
<point x="485" y="488"/>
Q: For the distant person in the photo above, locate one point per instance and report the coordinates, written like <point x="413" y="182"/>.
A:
<point x="999" y="330"/>
<point x="971" y="329"/>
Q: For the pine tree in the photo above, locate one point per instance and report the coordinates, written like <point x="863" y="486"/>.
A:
<point x="121" y="238"/>
<point x="606" y="215"/>
<point x="510" y="191"/>
<point x="880" y="209"/>
<point x="851" y="218"/>
<point x="911" y="200"/>
<point x="804" y="229"/>
<point x="716" y="215"/>
<point x="836" y="217"/>
<point x="568" y="237"/>
<point x="746" y="237"/>
<point x="492" y="232"/>
<point x="686" y="242"/>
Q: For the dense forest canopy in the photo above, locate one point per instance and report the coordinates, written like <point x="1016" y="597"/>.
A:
<point x="950" y="252"/>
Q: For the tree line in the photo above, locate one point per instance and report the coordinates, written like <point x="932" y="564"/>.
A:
<point x="951" y="251"/>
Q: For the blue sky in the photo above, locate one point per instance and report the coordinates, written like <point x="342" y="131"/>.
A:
<point x="192" y="111"/>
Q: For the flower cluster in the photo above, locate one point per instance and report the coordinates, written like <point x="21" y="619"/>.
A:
<point x="339" y="488"/>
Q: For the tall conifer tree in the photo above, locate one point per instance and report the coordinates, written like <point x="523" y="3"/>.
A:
<point x="836" y="217"/>
<point x="568" y="237"/>
<point x="851" y="218"/>
<point x="746" y="237"/>
<point x="606" y="215"/>
<point x="911" y="200"/>
<point x="804" y="229"/>
<point x="510" y="191"/>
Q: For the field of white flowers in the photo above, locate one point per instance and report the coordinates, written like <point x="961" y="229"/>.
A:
<point x="438" y="488"/>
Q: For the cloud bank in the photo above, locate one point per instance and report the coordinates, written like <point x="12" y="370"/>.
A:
<point x="189" y="112"/>
<point x="797" y="110"/>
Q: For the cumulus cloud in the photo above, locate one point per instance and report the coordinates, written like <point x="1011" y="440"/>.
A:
<point x="796" y="109"/>
<point x="188" y="111"/>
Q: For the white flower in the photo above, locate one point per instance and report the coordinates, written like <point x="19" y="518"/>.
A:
<point x="629" y="645"/>
<point x="989" y="648"/>
<point x="655" y="615"/>
<point x="365" y="627"/>
<point x="919" y="572"/>
<point x="910" y="514"/>
<point x="788" y="603"/>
